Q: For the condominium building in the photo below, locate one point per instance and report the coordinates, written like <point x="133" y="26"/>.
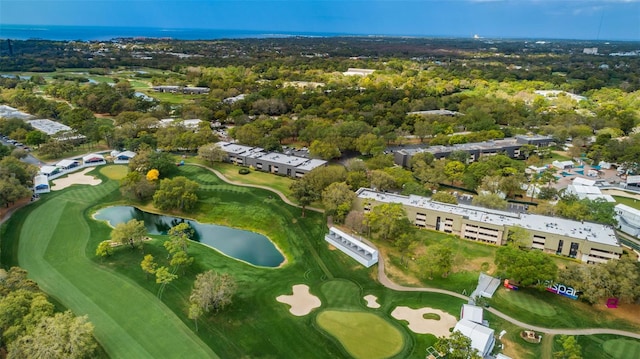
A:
<point x="586" y="241"/>
<point x="273" y="162"/>
<point x="508" y="146"/>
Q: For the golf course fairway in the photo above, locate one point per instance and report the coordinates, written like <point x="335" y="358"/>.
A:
<point x="130" y="322"/>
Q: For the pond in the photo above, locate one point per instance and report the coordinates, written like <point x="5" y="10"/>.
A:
<point x="246" y="246"/>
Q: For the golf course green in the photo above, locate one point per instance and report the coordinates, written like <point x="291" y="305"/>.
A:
<point x="354" y="329"/>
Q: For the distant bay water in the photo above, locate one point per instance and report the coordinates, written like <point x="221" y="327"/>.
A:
<point x="104" y="33"/>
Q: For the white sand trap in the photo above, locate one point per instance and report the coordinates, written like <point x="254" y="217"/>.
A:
<point x="372" y="301"/>
<point x="75" y="178"/>
<point x="302" y="302"/>
<point x="418" y="324"/>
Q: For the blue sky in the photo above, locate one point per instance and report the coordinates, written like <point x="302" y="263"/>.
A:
<point x="572" y="19"/>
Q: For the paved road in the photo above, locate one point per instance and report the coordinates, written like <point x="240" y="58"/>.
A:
<point x="29" y="159"/>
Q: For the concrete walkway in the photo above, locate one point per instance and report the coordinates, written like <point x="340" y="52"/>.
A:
<point x="384" y="280"/>
<point x="280" y="194"/>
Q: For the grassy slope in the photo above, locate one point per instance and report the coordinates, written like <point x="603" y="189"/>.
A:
<point x="128" y="319"/>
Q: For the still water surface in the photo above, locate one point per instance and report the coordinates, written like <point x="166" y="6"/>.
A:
<point x="247" y="246"/>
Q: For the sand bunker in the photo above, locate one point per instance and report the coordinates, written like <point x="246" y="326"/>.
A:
<point x="418" y="324"/>
<point x="302" y="302"/>
<point x="75" y="178"/>
<point x="372" y="301"/>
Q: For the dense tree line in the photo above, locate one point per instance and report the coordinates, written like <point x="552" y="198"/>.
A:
<point x="31" y="328"/>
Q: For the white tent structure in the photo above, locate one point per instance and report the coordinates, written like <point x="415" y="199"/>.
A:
<point x="123" y="157"/>
<point x="482" y="338"/>
<point x="628" y="219"/>
<point x="41" y="184"/>
<point x="67" y="164"/>
<point x="49" y="170"/>
<point x="94" y="159"/>
<point x="352" y="247"/>
<point x="472" y="313"/>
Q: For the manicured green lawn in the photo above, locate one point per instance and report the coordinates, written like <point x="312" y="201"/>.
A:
<point x="568" y="313"/>
<point x="633" y="203"/>
<point x="621" y="348"/>
<point x="528" y="302"/>
<point x="115" y="172"/>
<point x="55" y="240"/>
<point x="363" y="335"/>
<point x="128" y="319"/>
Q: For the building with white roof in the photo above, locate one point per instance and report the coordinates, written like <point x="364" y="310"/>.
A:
<point x="67" y="164"/>
<point x="562" y="165"/>
<point x="589" y="242"/>
<point x="94" y="159"/>
<point x="358" y="72"/>
<point x="41" y="184"/>
<point x="49" y="170"/>
<point x="472" y="313"/>
<point x="123" y="157"/>
<point x="10" y="112"/>
<point x="628" y="219"/>
<point x="352" y="247"/>
<point x="588" y="192"/>
<point x="482" y="338"/>
<point x="507" y="146"/>
<point x="49" y="127"/>
<point x="273" y="162"/>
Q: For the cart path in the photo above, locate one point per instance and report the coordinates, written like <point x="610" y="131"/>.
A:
<point x="280" y="194"/>
<point x="385" y="281"/>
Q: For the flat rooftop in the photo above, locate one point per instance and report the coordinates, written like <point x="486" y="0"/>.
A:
<point x="281" y="158"/>
<point x="593" y="232"/>
<point x="49" y="127"/>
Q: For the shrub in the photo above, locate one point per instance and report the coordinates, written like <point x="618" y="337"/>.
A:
<point x="243" y="171"/>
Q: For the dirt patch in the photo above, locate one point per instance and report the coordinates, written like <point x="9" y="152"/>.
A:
<point x="75" y="178"/>
<point x="627" y="312"/>
<point x="302" y="302"/>
<point x="418" y="324"/>
<point x="616" y="192"/>
<point x="332" y="248"/>
<point x="372" y="301"/>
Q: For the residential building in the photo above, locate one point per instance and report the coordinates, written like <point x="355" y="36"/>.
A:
<point x="586" y="241"/>
<point x="508" y="146"/>
<point x="273" y="162"/>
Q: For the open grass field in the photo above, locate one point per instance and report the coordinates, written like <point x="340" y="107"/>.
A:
<point x="633" y="203"/>
<point x="568" y="313"/>
<point x="55" y="240"/>
<point x="115" y="172"/>
<point x="353" y="329"/>
<point x="528" y="302"/>
<point x="604" y="346"/>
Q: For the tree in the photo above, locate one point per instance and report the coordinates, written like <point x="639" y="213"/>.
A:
<point x="104" y="249"/>
<point x="303" y="192"/>
<point x="422" y="128"/>
<point x="20" y="311"/>
<point x="454" y="170"/>
<point x="570" y="348"/>
<point x="148" y="265"/>
<point x="444" y="197"/>
<point x="211" y="153"/>
<point x="437" y="260"/>
<point x="456" y="346"/>
<point x="519" y="237"/>
<point x="131" y="233"/>
<point x="337" y="199"/>
<point x="176" y="193"/>
<point x="11" y="190"/>
<point x="489" y="200"/>
<point x="381" y="180"/>
<point x="153" y="175"/>
<point x="527" y="267"/>
<point x="213" y="291"/>
<point x="61" y="336"/>
<point x="323" y="149"/>
<point x="138" y="187"/>
<point x="163" y="277"/>
<point x="388" y="220"/>
<point x="370" y="145"/>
